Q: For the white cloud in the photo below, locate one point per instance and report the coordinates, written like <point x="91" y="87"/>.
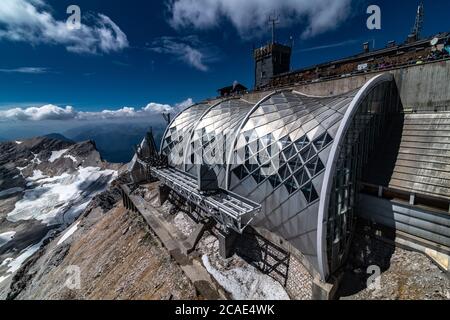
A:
<point x="52" y="112"/>
<point x="47" y="112"/>
<point x="250" y="17"/>
<point x="32" y="22"/>
<point x="189" y="50"/>
<point x="29" y="70"/>
<point x="158" y="108"/>
<point x="183" y="105"/>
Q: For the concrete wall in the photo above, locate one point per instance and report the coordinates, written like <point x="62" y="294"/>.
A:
<point x="423" y="87"/>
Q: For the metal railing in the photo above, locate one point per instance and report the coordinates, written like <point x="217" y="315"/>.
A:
<point x="230" y="210"/>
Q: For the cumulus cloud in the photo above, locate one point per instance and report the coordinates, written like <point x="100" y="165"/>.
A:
<point x="52" y="112"/>
<point x="251" y="16"/>
<point x="47" y="112"/>
<point x="189" y="50"/>
<point x="28" y="70"/>
<point x="158" y="108"/>
<point x="183" y="105"/>
<point x="32" y="21"/>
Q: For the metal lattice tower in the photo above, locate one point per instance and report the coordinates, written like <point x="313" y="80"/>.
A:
<point x="273" y="22"/>
<point x="418" y="25"/>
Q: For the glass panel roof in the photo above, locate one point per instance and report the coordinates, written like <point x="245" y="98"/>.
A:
<point x="178" y="134"/>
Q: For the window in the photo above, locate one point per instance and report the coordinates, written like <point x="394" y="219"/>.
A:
<point x="291" y="186"/>
<point x="301" y="176"/>
<point x="295" y="163"/>
<point x="307" y="153"/>
<point x="264" y="159"/>
<point x="301" y="143"/>
<point x="284" y="172"/>
<point x="289" y="152"/>
<point x="250" y="166"/>
<point x="285" y="142"/>
<point x="240" y="172"/>
<point x="310" y="192"/>
<point x="322" y="141"/>
<point x="274" y="181"/>
<point x="258" y="176"/>
<point x="315" y="166"/>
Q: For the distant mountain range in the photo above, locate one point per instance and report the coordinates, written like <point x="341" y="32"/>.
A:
<point x="114" y="141"/>
<point x="58" y="136"/>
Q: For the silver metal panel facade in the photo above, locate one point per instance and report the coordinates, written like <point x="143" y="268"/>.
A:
<point x="209" y="139"/>
<point x="177" y="135"/>
<point x="284" y="155"/>
<point x="279" y="158"/>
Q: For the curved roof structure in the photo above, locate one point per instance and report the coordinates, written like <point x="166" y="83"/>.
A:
<point x="178" y="134"/>
<point x="298" y="156"/>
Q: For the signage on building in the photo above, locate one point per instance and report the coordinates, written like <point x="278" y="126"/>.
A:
<point x="363" y="66"/>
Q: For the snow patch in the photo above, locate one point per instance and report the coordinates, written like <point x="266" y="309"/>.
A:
<point x="6" y="237"/>
<point x="61" y="197"/>
<point x="246" y="283"/>
<point x="71" y="158"/>
<point x="37" y="175"/>
<point x="183" y="224"/>
<point x="56" y="155"/>
<point x="6" y="261"/>
<point x="68" y="234"/>
<point x="36" y="160"/>
<point x="14" y="264"/>
<point x="19" y="142"/>
<point x="11" y="191"/>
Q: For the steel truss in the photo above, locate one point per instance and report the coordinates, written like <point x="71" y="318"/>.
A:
<point x="230" y="210"/>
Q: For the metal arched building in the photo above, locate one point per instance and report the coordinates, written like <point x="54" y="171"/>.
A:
<point x="300" y="157"/>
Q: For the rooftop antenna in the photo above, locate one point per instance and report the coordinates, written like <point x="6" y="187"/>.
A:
<point x="418" y="24"/>
<point x="273" y="21"/>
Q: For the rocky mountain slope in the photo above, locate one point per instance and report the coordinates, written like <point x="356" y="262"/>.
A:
<point x="45" y="184"/>
<point x="115" y="255"/>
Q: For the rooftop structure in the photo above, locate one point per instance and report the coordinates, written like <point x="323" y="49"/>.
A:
<point x="234" y="89"/>
<point x="293" y="154"/>
<point x="271" y="60"/>
<point x="393" y="56"/>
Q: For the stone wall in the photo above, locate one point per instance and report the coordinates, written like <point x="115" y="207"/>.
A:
<point x="423" y="87"/>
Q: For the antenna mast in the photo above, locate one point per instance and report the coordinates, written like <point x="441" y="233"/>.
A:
<point x="273" y="22"/>
<point x="418" y="25"/>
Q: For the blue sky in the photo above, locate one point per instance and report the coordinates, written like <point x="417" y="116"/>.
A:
<point x="166" y="52"/>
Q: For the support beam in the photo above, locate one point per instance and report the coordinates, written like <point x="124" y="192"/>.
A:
<point x="190" y="243"/>
<point x="412" y="199"/>
<point x="163" y="194"/>
<point x="226" y="243"/>
<point x="380" y="192"/>
<point x="324" y="290"/>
